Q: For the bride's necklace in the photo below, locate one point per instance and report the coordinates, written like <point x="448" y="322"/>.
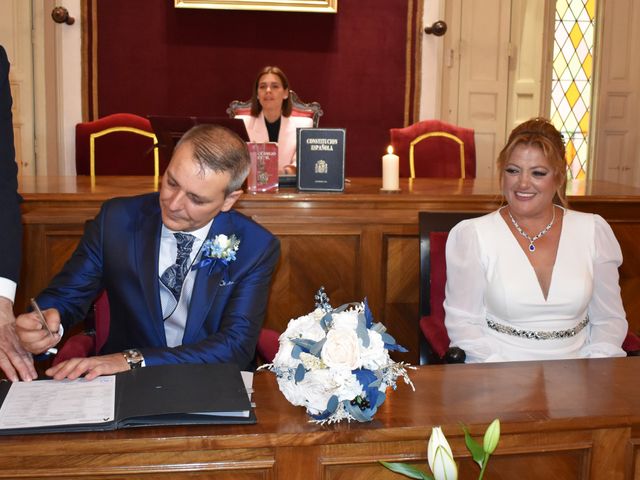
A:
<point x="541" y="233"/>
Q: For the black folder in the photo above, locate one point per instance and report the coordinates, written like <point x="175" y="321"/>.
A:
<point x="167" y="395"/>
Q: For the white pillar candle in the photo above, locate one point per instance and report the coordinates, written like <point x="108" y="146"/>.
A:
<point x="390" y="170"/>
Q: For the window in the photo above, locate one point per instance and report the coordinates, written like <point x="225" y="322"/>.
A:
<point x="572" y="78"/>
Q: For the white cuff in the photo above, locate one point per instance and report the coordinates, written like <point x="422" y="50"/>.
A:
<point x="7" y="288"/>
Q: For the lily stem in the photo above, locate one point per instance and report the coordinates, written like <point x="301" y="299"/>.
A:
<point x="484" y="465"/>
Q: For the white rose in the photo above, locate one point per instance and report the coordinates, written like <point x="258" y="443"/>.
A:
<point x="317" y="387"/>
<point x="342" y="349"/>
<point x="375" y="356"/>
<point x="307" y="326"/>
<point x="347" y="320"/>
<point x="348" y="386"/>
<point x="222" y="240"/>
<point x="292" y="391"/>
<point x="283" y="358"/>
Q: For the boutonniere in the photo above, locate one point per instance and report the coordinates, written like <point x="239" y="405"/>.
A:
<point x="221" y="249"/>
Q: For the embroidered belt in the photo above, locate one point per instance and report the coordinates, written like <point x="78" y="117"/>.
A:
<point x="538" y="335"/>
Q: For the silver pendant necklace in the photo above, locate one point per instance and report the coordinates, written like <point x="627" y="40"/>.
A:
<point x="541" y="233"/>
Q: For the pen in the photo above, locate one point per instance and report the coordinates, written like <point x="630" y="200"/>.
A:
<point x="43" y="322"/>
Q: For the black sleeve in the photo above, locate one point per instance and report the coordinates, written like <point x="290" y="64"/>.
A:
<point x="10" y="223"/>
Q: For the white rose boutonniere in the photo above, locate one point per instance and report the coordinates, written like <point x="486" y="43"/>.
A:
<point x="220" y="251"/>
<point x="336" y="363"/>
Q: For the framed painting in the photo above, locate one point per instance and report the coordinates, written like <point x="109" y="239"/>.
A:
<point x="322" y="6"/>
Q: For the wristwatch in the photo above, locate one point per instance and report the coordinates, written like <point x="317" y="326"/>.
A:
<point x="134" y="358"/>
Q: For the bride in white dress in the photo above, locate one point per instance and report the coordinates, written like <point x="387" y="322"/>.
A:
<point x="534" y="280"/>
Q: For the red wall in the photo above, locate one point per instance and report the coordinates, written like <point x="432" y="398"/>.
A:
<point x="156" y="59"/>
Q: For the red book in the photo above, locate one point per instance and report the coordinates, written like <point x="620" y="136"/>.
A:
<point x="263" y="175"/>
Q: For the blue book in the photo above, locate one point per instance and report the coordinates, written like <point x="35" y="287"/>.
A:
<point x="320" y="153"/>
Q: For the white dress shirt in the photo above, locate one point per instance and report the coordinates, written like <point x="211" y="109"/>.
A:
<point x="175" y="312"/>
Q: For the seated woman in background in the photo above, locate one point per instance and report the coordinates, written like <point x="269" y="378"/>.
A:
<point x="534" y="280"/>
<point x="271" y="119"/>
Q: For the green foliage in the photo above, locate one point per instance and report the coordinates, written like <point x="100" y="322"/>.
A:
<point x="477" y="452"/>
<point x="406" y="470"/>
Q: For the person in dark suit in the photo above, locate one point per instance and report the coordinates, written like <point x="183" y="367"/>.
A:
<point x="186" y="276"/>
<point x="15" y="361"/>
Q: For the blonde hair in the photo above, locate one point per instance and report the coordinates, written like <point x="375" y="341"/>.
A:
<point x="540" y="132"/>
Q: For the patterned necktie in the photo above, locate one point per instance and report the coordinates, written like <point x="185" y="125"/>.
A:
<point x="173" y="277"/>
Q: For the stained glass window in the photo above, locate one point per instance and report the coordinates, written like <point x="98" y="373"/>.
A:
<point x="571" y="83"/>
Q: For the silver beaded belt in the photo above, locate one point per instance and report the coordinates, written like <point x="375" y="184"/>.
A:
<point x="538" y="335"/>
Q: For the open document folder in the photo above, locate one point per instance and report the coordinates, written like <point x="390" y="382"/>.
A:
<point x="162" y="395"/>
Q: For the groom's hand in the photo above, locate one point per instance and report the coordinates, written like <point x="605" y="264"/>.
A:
<point x="90" y="367"/>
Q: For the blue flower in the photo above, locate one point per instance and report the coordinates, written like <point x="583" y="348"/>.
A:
<point x="220" y="250"/>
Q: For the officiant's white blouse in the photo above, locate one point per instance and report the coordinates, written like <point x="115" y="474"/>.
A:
<point x="489" y="277"/>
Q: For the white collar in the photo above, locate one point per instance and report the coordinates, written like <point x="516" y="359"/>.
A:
<point x="200" y="234"/>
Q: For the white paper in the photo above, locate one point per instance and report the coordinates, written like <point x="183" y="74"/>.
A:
<point x="46" y="403"/>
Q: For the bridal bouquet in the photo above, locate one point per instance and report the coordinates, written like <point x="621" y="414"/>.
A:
<point x="335" y="362"/>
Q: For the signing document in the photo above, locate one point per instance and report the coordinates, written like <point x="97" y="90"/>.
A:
<point x="175" y="394"/>
<point x="59" y="402"/>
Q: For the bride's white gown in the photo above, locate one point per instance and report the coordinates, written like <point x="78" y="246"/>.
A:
<point x="490" y="277"/>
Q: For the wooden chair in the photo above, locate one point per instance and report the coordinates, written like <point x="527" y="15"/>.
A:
<point x="91" y="341"/>
<point x="432" y="148"/>
<point x="118" y="144"/>
<point x="299" y="109"/>
<point x="434" y="340"/>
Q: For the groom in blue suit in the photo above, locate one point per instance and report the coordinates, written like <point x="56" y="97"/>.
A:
<point x="186" y="276"/>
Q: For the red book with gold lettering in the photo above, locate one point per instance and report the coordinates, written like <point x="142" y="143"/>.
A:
<point x="263" y="175"/>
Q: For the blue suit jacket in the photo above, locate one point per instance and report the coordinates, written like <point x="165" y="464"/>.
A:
<point x="119" y="253"/>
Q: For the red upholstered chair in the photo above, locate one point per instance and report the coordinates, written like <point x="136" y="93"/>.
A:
<point x="432" y="148"/>
<point x="93" y="339"/>
<point x="268" y="345"/>
<point x="434" y="340"/>
<point x="118" y="144"/>
<point x="299" y="108"/>
<point x="434" y="230"/>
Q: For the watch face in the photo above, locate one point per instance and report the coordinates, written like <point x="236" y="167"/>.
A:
<point x="134" y="358"/>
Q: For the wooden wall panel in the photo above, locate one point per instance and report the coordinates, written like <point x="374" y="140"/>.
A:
<point x="308" y="262"/>
<point x="628" y="234"/>
<point x="402" y="273"/>
<point x="59" y="245"/>
<point x="191" y="464"/>
<point x="633" y="460"/>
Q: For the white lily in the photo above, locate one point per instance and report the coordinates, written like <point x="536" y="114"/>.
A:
<point x="444" y="466"/>
<point x="440" y="457"/>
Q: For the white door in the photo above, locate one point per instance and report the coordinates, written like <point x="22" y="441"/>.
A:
<point x="616" y="136"/>
<point x="494" y="66"/>
<point x="15" y="36"/>
<point x="476" y="74"/>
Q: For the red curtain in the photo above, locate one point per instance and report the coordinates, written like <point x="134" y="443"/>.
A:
<point x="360" y="64"/>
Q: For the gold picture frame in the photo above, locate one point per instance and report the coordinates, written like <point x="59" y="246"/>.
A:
<point x="321" y="6"/>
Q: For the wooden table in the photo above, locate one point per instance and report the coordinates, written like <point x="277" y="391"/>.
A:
<point x="358" y="243"/>
<point x="570" y="419"/>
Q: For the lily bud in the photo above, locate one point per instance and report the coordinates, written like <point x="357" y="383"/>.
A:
<point x="444" y="467"/>
<point x="491" y="437"/>
<point x="440" y="457"/>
